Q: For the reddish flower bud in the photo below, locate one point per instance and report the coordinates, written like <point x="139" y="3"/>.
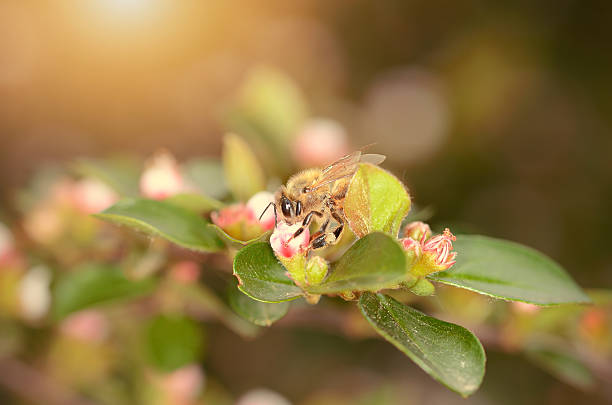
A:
<point x="185" y="384"/>
<point x="91" y="196"/>
<point x="238" y="221"/>
<point x="7" y="244"/>
<point x="524" y="308"/>
<point x="412" y="248"/>
<point x="226" y="217"/>
<point x="88" y="326"/>
<point x="185" y="271"/>
<point x="419" y="231"/>
<point x="284" y="244"/>
<point x="319" y="142"/>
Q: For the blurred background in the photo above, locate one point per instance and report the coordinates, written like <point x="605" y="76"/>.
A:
<point x="496" y="115"/>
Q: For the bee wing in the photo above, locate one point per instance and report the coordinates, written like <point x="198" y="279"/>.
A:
<point x="373" y="158"/>
<point x="345" y="167"/>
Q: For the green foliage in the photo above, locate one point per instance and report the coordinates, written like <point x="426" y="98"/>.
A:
<point x="271" y="102"/>
<point x="562" y="364"/>
<point x="203" y="299"/>
<point x="121" y="175"/>
<point x="260" y="313"/>
<point x="423" y="288"/>
<point x="376" y="201"/>
<point x="159" y="218"/>
<point x="197" y="203"/>
<point x="261" y="276"/>
<point x="449" y="353"/>
<point x="510" y="271"/>
<point x="173" y="341"/>
<point x="374" y="262"/>
<point x="92" y="285"/>
<point x="207" y="176"/>
<point x="243" y="173"/>
<point x="230" y="241"/>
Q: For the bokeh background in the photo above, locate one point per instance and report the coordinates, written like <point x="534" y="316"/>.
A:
<point x="497" y="115"/>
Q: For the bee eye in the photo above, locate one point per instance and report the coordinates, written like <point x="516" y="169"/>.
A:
<point x="286" y="206"/>
<point x="298" y="208"/>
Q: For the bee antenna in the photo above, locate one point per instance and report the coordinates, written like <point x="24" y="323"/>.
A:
<point x="264" y="211"/>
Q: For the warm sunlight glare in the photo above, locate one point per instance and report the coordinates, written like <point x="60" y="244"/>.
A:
<point x="126" y="6"/>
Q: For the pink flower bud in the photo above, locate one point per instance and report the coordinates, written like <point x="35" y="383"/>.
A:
<point x="185" y="272"/>
<point x="162" y="177"/>
<point x="91" y="196"/>
<point x="7" y="244"/>
<point x="185" y="384"/>
<point x="284" y="244"/>
<point x="411" y="245"/>
<point x="419" y="231"/>
<point x="258" y="204"/>
<point x="320" y="142"/>
<point x="43" y="224"/>
<point x="228" y="216"/>
<point x="238" y="221"/>
<point x="412" y="248"/>
<point x="88" y="326"/>
<point x="524" y="308"/>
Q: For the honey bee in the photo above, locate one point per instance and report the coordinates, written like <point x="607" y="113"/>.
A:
<point x="319" y="193"/>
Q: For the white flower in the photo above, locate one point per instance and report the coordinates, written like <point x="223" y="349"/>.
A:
<point x="162" y="177"/>
<point x="34" y="293"/>
<point x="262" y="396"/>
<point x="258" y="204"/>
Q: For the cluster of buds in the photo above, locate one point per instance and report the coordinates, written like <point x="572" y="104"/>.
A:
<point x="428" y="254"/>
<point x="245" y="221"/>
<point x="292" y="252"/>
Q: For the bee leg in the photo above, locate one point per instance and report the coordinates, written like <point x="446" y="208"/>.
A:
<point x="338" y="231"/>
<point x="320" y="238"/>
<point x="306" y="222"/>
<point x="319" y="242"/>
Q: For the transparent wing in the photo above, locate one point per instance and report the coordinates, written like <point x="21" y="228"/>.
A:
<point x="345" y="167"/>
<point x="373" y="158"/>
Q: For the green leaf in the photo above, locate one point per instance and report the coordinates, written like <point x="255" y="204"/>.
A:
<point x="237" y="243"/>
<point x="195" y="202"/>
<point x="562" y="364"/>
<point x="376" y="201"/>
<point x="208" y="176"/>
<point x="260" y="313"/>
<point x="261" y="276"/>
<point x="242" y="170"/>
<point x="94" y="285"/>
<point x="164" y="219"/>
<point x="203" y="300"/>
<point x="449" y="353"/>
<point x="272" y="101"/>
<point x="374" y="262"/>
<point x="510" y="271"/>
<point x="121" y="175"/>
<point x="173" y="341"/>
